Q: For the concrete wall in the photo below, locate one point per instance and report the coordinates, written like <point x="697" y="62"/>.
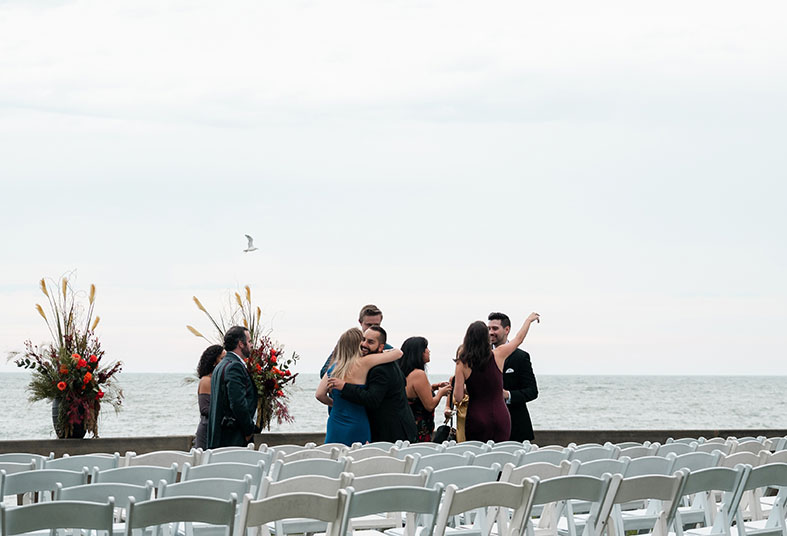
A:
<point x="141" y="445"/>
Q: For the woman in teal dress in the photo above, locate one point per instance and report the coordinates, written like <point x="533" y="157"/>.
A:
<point x="347" y="422"/>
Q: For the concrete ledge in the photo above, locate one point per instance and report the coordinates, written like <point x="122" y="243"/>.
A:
<point x="141" y="445"/>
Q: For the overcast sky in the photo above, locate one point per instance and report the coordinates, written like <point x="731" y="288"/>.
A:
<point x="618" y="167"/>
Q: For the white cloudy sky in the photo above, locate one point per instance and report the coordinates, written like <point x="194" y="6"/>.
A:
<point x="618" y="167"/>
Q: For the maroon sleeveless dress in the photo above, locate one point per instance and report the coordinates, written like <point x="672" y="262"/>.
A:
<point x="487" y="414"/>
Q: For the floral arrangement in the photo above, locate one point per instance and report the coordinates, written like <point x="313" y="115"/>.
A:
<point x="267" y="364"/>
<point x="69" y="371"/>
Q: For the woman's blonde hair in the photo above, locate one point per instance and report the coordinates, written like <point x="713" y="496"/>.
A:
<point x="347" y="352"/>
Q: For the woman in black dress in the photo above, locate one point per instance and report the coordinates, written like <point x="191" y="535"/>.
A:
<point x="210" y="358"/>
<point x="422" y="395"/>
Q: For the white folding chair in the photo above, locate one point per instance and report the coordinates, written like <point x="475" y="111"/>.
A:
<point x="247" y="456"/>
<point x="315" y="484"/>
<point x="556" y="495"/>
<point x="389" y="520"/>
<point x="638" y="451"/>
<point x="308" y="454"/>
<point x="99" y="492"/>
<point x="160" y="513"/>
<point x="677" y="448"/>
<point x="422" y="449"/>
<point x="772" y="475"/>
<point x="591" y="453"/>
<point x="76" y="463"/>
<point x="418" y="504"/>
<point x="380" y="464"/>
<point x="42" y="482"/>
<point x="56" y="515"/>
<point x="442" y="460"/>
<point x="661" y="492"/>
<point x="25" y="458"/>
<point x="703" y="515"/>
<point x="315" y="466"/>
<point x="509" y="501"/>
<point x="368" y="452"/>
<point x="216" y="488"/>
<point x="499" y="457"/>
<point x="545" y="455"/>
<point x="256" y="514"/>
<point x="461" y="448"/>
<point x="138" y="475"/>
<point x="163" y="458"/>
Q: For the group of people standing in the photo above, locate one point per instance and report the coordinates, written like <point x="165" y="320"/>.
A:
<point x="378" y="393"/>
<point x="375" y="392"/>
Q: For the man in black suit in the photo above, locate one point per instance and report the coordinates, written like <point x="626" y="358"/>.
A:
<point x="519" y="382"/>
<point x="384" y="396"/>
<point x="233" y="396"/>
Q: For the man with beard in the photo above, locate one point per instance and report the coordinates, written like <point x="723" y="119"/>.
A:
<point x="519" y="382"/>
<point x="370" y="315"/>
<point x="384" y="396"/>
<point x="233" y="397"/>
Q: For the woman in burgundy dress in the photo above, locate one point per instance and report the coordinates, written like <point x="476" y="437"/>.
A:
<point x="479" y="371"/>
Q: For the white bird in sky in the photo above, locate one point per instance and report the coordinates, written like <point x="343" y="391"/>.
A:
<point x="251" y="245"/>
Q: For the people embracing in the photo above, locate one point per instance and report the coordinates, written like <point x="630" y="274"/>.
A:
<point x="479" y="372"/>
<point x="384" y="395"/>
<point x="233" y="397"/>
<point x="348" y="422"/>
<point x="422" y="395"/>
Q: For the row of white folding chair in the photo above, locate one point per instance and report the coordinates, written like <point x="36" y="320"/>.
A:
<point x="663" y="488"/>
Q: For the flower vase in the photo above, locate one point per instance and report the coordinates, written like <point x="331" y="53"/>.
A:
<point x="78" y="430"/>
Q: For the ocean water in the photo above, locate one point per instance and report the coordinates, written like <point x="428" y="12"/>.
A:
<point x="164" y="404"/>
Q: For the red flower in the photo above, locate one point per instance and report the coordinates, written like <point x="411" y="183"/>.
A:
<point x="275" y="370"/>
<point x="259" y="368"/>
<point x="81" y="363"/>
<point x="88" y="377"/>
<point x="279" y="393"/>
<point x="61" y="386"/>
<point x="273" y="352"/>
<point x="93" y="359"/>
<point x="63" y="369"/>
<point x="286" y="372"/>
<point x="273" y="359"/>
<point x="76" y="356"/>
<point x="99" y="395"/>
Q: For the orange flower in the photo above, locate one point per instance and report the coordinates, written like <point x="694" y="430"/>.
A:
<point x="76" y="356"/>
<point x="88" y="377"/>
<point x="279" y="393"/>
<point x="259" y="368"/>
<point x="61" y="386"/>
<point x="63" y="369"/>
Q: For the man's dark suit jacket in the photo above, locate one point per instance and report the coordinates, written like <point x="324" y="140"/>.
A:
<point x="519" y="380"/>
<point x="233" y="395"/>
<point x="385" y="399"/>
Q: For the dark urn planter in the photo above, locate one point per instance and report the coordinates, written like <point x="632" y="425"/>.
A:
<point x="78" y="430"/>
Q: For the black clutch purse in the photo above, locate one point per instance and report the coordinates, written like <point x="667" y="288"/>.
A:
<point x="444" y="432"/>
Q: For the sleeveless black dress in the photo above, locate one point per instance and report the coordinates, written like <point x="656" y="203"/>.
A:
<point x="487" y="414"/>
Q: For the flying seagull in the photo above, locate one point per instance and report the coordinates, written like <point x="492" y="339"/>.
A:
<point x="251" y="245"/>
